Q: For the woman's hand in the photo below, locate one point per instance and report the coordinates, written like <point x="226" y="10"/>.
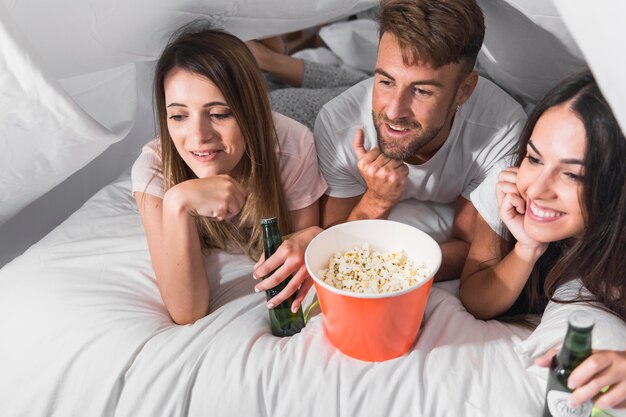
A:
<point x="287" y="260"/>
<point x="219" y="197"/>
<point x="603" y="368"/>
<point x="512" y="207"/>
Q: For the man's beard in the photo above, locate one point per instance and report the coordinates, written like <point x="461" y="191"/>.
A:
<point x="401" y="150"/>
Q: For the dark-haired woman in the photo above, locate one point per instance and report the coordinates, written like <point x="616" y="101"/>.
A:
<point x="563" y="206"/>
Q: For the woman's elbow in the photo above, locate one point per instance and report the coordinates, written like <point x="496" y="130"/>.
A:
<point x="188" y="315"/>
<point x="473" y="303"/>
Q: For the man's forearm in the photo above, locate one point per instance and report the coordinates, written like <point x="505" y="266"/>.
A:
<point x="370" y="207"/>
<point x="453" y="255"/>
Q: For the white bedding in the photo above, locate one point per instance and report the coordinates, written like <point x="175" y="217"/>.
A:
<point x="84" y="333"/>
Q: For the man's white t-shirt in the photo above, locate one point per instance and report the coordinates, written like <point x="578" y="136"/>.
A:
<point x="484" y="196"/>
<point x="484" y="130"/>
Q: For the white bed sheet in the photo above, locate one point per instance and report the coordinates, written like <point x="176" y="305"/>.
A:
<point x="84" y="333"/>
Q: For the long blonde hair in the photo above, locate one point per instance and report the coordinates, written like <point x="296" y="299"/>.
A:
<point x="226" y="61"/>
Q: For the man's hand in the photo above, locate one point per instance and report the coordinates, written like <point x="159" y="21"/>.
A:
<point x="385" y="177"/>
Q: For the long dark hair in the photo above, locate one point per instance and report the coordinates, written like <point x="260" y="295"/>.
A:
<point x="598" y="257"/>
<point x="226" y="61"/>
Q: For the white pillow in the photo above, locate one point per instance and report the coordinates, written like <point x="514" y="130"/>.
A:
<point x="609" y="331"/>
<point x="322" y="55"/>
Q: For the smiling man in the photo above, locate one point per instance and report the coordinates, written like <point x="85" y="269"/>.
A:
<point x="414" y="141"/>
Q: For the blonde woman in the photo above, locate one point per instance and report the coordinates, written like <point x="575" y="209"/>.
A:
<point x="222" y="162"/>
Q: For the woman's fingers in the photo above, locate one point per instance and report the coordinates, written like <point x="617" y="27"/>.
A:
<point x="279" y="257"/>
<point x="589" y="368"/>
<point x="236" y="197"/>
<point x="545" y="359"/>
<point x="258" y="263"/>
<point x="512" y="206"/>
<point x="507" y="188"/>
<point x="508" y="174"/>
<point x="302" y="292"/>
<point x="219" y="197"/>
<point x="281" y="271"/>
<point x="615" y="397"/>
<point x="289" y="289"/>
<point x="507" y="184"/>
<point x="589" y="390"/>
<point x="601" y="369"/>
<point x="287" y="260"/>
<point x="516" y="201"/>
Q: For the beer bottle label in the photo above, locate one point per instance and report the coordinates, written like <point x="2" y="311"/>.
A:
<point x="557" y="404"/>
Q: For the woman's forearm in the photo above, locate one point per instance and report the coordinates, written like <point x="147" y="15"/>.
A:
<point x="491" y="291"/>
<point x="287" y="68"/>
<point x="182" y="277"/>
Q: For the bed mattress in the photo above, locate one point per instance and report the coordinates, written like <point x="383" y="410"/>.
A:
<point x="84" y="332"/>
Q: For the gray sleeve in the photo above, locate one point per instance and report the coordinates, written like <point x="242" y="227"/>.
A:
<point x="318" y="76"/>
<point x="321" y="83"/>
<point x="303" y="104"/>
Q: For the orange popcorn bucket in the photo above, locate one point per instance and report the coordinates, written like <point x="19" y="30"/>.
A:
<point x="373" y="327"/>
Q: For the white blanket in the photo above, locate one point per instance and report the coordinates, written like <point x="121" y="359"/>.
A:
<point x="84" y="332"/>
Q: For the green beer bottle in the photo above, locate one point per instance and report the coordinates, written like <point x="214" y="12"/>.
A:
<point x="576" y="348"/>
<point x="282" y="320"/>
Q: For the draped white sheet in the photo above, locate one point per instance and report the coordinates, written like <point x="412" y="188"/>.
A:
<point x="45" y="134"/>
<point x="69" y="74"/>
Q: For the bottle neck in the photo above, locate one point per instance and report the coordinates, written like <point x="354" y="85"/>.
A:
<point x="576" y="347"/>
<point x="271" y="239"/>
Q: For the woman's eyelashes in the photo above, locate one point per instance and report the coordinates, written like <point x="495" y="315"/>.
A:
<point x="176" y="117"/>
<point x="532" y="159"/>
<point x="221" y="115"/>
<point x="212" y="115"/>
<point x="573" y="176"/>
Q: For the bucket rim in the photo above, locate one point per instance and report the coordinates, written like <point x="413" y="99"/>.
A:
<point x="434" y="267"/>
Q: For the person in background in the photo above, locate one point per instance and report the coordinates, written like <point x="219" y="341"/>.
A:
<point x="299" y="87"/>
<point x="563" y="208"/>
<point x="415" y="140"/>
<point x="222" y="162"/>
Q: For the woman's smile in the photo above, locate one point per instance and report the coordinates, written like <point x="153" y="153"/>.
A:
<point x="542" y="214"/>
<point x="206" y="156"/>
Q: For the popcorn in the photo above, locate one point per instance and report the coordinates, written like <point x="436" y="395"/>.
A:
<point x="369" y="272"/>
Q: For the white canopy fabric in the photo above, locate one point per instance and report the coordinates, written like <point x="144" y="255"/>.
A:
<point x="599" y="31"/>
<point x="75" y="78"/>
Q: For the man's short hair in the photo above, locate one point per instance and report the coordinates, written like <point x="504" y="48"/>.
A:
<point x="437" y="32"/>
